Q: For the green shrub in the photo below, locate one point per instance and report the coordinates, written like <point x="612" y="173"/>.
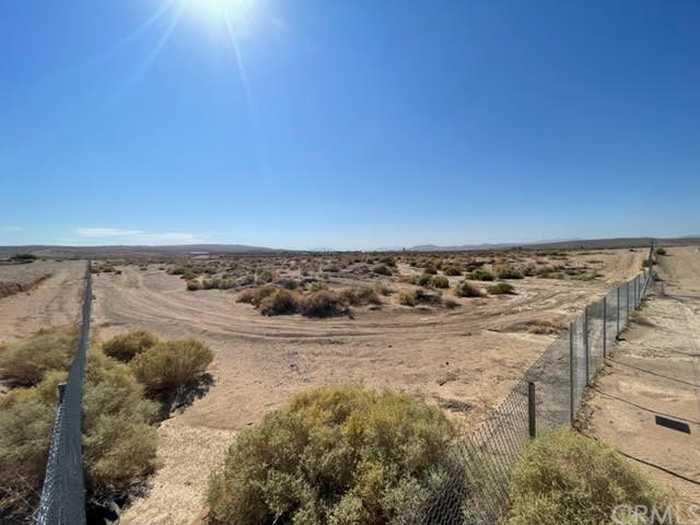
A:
<point x="322" y="304"/>
<point x="282" y="302"/>
<point x="501" y="289"/>
<point x="465" y="289"/>
<point x="508" y="272"/>
<point x="360" y="295"/>
<point x="440" y="281"/>
<point x="567" y="479"/>
<point x="169" y="365"/>
<point x="661" y="251"/>
<point x="423" y="280"/>
<point x="480" y="274"/>
<point x="336" y="456"/>
<point x="127" y="346"/>
<point x="25" y="362"/>
<point x="24" y="258"/>
<point x="381" y="269"/>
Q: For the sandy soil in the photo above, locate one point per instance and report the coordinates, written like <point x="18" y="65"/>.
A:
<point x="654" y="371"/>
<point x="55" y="301"/>
<point x="471" y="355"/>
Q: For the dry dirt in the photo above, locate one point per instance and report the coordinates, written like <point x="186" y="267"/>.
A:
<point x="464" y="360"/>
<point x="467" y="357"/>
<point x="655" y="371"/>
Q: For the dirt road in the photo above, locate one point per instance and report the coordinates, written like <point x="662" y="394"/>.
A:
<point x="655" y="371"/>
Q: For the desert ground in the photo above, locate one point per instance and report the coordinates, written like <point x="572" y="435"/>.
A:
<point x="464" y="358"/>
<point x="655" y="370"/>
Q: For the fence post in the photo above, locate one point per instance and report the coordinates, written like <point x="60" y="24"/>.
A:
<point x="572" y="403"/>
<point x="532" y="420"/>
<point x="617" y="334"/>
<point x="586" y="344"/>
<point x="605" y="327"/>
<point x="627" y="304"/>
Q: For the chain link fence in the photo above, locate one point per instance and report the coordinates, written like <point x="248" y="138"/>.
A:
<point x="63" y="493"/>
<point x="547" y="396"/>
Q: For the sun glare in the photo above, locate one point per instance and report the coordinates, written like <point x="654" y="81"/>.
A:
<point x="217" y="11"/>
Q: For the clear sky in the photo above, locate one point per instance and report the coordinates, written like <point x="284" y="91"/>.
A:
<point x="347" y="124"/>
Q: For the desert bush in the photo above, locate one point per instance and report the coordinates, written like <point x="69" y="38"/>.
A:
<point x="119" y="445"/>
<point x="452" y="271"/>
<point x="169" y="365"/>
<point x="382" y="289"/>
<point x="360" y="295"/>
<point x="501" y="289"/>
<point x="25" y="362"/>
<point x="480" y="274"/>
<point x="289" y="284"/>
<point x="265" y="276"/>
<point x="440" y="281"/>
<point x="450" y="304"/>
<point x="322" y="304"/>
<point x="661" y="251"/>
<point x="194" y="285"/>
<point x="255" y="296"/>
<point x="465" y="289"/>
<point x="282" y="302"/>
<point x="426" y="297"/>
<point x="564" y="478"/>
<point x="23" y="258"/>
<point x="407" y="297"/>
<point x="423" y="280"/>
<point x="127" y="346"/>
<point x="508" y="272"/>
<point x="430" y="269"/>
<point x="381" y="269"/>
<point x="338" y="455"/>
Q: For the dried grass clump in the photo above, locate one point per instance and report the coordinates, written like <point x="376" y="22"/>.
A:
<point x="127" y="346"/>
<point x="171" y="364"/>
<point x="255" y="296"/>
<point x="282" y="302"/>
<point x="466" y="289"/>
<point x="339" y="455"/>
<point x="25" y="362"/>
<point x="564" y="478"/>
<point x="480" y="274"/>
<point x="440" y="281"/>
<point x="452" y="271"/>
<point x="501" y="289"/>
<point x="508" y="272"/>
<point x="360" y="296"/>
<point x="322" y="304"/>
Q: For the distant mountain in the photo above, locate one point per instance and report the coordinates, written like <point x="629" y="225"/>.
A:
<point x="135" y="251"/>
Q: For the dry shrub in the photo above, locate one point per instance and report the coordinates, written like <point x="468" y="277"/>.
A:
<point x="194" y="285"/>
<point x="383" y="289"/>
<point x="360" y="295"/>
<point x="339" y="455"/>
<point x="381" y="269"/>
<point x="661" y="251"/>
<point x="119" y="445"/>
<point x="322" y="304"/>
<point x="407" y="297"/>
<point x="466" y="289"/>
<point x="423" y="280"/>
<point x="481" y="275"/>
<point x="564" y="478"/>
<point x="25" y="362"/>
<point x="282" y="302"/>
<point x="508" y="272"/>
<point x="171" y="364"/>
<point x="255" y="296"/>
<point x="501" y="289"/>
<point x="450" y="304"/>
<point x="452" y="271"/>
<point x="440" y="281"/>
<point x="127" y="346"/>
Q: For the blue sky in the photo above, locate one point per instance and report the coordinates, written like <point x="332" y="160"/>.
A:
<point x="347" y="124"/>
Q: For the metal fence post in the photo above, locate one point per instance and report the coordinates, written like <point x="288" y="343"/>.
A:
<point x="586" y="345"/>
<point x="531" y="409"/>
<point x="572" y="402"/>
<point x="605" y="327"/>
<point x="627" y="304"/>
<point x="617" y="334"/>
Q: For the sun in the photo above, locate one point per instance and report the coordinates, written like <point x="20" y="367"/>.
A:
<point x="216" y="11"/>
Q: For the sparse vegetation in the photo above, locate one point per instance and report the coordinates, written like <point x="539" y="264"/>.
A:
<point x="322" y="304"/>
<point x="360" y="295"/>
<point x="567" y="479"/>
<point x="381" y="269"/>
<point x="23" y="258"/>
<point x="440" y="281"/>
<point x="508" y="272"/>
<point x="466" y="289"/>
<point x="479" y="274"/>
<point x="452" y="271"/>
<point x="171" y="364"/>
<point x="407" y="297"/>
<point x="281" y="302"/>
<point x="337" y="455"/>
<point x="661" y="251"/>
<point x="501" y="289"/>
<point x="25" y="362"/>
<point x="127" y="346"/>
